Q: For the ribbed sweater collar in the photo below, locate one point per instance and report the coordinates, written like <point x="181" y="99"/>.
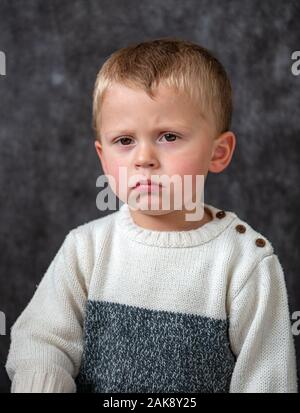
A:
<point x="175" y="239"/>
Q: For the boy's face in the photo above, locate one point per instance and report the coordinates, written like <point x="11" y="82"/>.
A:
<point x="165" y="136"/>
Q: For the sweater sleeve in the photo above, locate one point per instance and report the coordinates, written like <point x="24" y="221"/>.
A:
<point x="46" y="339"/>
<point x="260" y="333"/>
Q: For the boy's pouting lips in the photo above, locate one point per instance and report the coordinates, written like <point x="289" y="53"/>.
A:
<point x="166" y="135"/>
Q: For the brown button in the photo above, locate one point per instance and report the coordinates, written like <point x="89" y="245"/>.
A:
<point x="260" y="242"/>
<point x="220" y="214"/>
<point x="240" y="228"/>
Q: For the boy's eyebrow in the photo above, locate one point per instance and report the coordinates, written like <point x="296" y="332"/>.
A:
<point x="158" y="128"/>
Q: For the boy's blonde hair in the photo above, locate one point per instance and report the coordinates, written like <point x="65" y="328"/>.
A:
<point x="184" y="66"/>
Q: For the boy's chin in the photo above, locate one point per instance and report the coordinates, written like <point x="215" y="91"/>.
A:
<point x="153" y="212"/>
<point x="145" y="209"/>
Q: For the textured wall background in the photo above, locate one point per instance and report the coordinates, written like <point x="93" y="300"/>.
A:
<point x="48" y="165"/>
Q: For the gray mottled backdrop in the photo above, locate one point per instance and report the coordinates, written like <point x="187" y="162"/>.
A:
<point x="48" y="164"/>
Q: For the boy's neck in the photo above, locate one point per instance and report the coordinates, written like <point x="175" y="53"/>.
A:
<point x="172" y="221"/>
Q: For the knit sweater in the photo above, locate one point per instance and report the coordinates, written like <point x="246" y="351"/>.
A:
<point x="125" y="309"/>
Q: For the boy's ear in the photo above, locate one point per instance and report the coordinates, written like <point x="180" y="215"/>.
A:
<point x="223" y="149"/>
<point x="99" y="151"/>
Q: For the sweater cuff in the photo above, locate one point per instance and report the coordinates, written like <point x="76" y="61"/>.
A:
<point x="43" y="382"/>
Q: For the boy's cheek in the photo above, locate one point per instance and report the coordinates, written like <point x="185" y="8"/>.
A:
<point x="112" y="167"/>
<point x="191" y="168"/>
<point x="117" y="174"/>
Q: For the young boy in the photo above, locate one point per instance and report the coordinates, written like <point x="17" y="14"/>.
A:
<point x="144" y="300"/>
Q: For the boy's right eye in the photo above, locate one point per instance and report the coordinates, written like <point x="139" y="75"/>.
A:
<point x="122" y="139"/>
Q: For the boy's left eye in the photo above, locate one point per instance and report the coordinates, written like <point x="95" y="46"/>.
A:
<point x="171" y="134"/>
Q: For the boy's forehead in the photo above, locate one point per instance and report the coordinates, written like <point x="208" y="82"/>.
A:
<point x="161" y="93"/>
<point x="123" y="102"/>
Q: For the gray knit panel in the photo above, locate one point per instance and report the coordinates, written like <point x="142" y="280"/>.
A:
<point x="132" y="349"/>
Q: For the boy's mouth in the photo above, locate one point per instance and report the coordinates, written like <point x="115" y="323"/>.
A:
<point x="147" y="183"/>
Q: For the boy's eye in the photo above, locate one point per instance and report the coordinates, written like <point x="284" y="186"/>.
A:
<point x="122" y="140"/>
<point x="171" y="137"/>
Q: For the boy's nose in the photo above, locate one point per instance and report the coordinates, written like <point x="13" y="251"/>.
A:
<point x="146" y="156"/>
<point x="145" y="163"/>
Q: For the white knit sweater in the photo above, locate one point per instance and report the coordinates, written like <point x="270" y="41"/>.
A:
<point x="126" y="309"/>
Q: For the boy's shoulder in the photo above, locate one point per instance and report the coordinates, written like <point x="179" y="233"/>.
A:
<point x="90" y="237"/>
<point x="93" y="231"/>
<point x="248" y="249"/>
<point x="83" y="244"/>
<point x="252" y="256"/>
<point x="245" y="239"/>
